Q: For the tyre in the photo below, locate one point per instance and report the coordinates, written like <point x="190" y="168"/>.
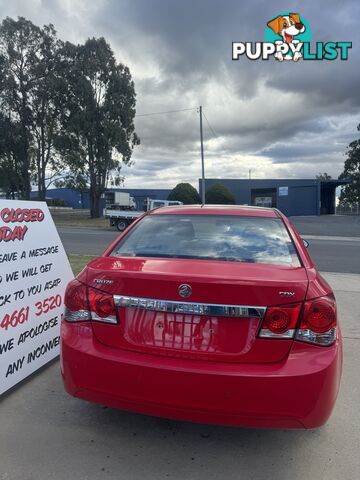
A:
<point x="121" y="225"/>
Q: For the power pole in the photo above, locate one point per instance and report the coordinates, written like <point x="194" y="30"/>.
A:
<point x="202" y="159"/>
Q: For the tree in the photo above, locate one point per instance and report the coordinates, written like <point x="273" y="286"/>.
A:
<point x="31" y="94"/>
<point x="218" y="194"/>
<point x="99" y="119"/>
<point x="186" y="193"/>
<point x="350" y="194"/>
<point x="323" y="176"/>
<point x="48" y="100"/>
<point x="11" y="179"/>
<point x="19" y="43"/>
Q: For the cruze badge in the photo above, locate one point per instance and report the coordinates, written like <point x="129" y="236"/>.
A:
<point x="185" y="290"/>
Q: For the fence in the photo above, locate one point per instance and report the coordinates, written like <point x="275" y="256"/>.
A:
<point x="348" y="210"/>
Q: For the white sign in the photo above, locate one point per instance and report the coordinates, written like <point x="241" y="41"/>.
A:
<point x="283" y="191"/>
<point x="34" y="271"/>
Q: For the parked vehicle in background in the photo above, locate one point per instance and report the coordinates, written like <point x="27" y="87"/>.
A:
<point x="120" y="201"/>
<point x="211" y="314"/>
<point x="122" y="219"/>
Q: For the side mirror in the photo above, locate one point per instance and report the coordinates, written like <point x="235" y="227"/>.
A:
<point x="306" y="243"/>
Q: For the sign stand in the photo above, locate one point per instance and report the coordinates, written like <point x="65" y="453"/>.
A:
<point x="34" y="272"/>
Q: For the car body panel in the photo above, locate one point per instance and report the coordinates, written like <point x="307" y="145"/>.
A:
<point x="282" y="383"/>
<point x="212" y="282"/>
<point x="298" y="392"/>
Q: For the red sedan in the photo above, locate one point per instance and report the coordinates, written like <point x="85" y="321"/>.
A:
<point x="211" y="314"/>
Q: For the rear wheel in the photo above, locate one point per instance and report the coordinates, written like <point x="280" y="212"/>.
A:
<point x="121" y="225"/>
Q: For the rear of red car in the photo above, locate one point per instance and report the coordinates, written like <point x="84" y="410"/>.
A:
<point x="208" y="314"/>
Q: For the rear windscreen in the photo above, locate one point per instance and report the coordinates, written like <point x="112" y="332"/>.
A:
<point x="210" y="237"/>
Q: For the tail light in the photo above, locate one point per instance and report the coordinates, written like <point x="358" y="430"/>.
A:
<point x="281" y="321"/>
<point x="317" y="323"/>
<point x="84" y="303"/>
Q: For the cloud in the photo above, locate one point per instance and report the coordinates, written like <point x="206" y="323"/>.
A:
<point x="277" y="119"/>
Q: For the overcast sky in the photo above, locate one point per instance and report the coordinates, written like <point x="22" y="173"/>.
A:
<point x="281" y="120"/>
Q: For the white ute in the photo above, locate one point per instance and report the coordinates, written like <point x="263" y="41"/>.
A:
<point x="122" y="218"/>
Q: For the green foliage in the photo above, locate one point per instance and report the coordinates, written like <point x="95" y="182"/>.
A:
<point x="31" y="95"/>
<point x="323" y="176"/>
<point x="19" y="41"/>
<point x="186" y="193"/>
<point x="99" y="124"/>
<point x="75" y="181"/>
<point x="49" y="100"/>
<point x="218" y="194"/>
<point x="350" y="194"/>
<point x="11" y="167"/>
<point x="62" y="108"/>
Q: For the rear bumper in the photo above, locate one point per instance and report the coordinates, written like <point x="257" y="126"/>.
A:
<point x="299" y="392"/>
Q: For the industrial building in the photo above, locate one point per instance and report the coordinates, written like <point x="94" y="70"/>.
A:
<point x="292" y="197"/>
<point x="77" y="199"/>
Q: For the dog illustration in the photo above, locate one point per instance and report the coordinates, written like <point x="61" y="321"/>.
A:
<point x="287" y="26"/>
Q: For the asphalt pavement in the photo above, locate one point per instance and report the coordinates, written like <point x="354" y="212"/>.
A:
<point x="330" y="253"/>
<point x="334" y="225"/>
<point x="47" y="435"/>
<point x="86" y="241"/>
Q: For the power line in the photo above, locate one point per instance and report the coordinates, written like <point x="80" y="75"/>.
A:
<point x="179" y="110"/>
<point x="162" y="113"/>
<point x="211" y="129"/>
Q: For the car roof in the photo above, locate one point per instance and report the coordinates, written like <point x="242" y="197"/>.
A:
<point x="240" y="210"/>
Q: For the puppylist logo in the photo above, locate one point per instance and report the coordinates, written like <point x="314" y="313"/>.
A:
<point x="288" y="37"/>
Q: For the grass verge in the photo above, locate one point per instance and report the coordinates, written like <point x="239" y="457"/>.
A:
<point x="78" y="262"/>
<point x="79" y="219"/>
